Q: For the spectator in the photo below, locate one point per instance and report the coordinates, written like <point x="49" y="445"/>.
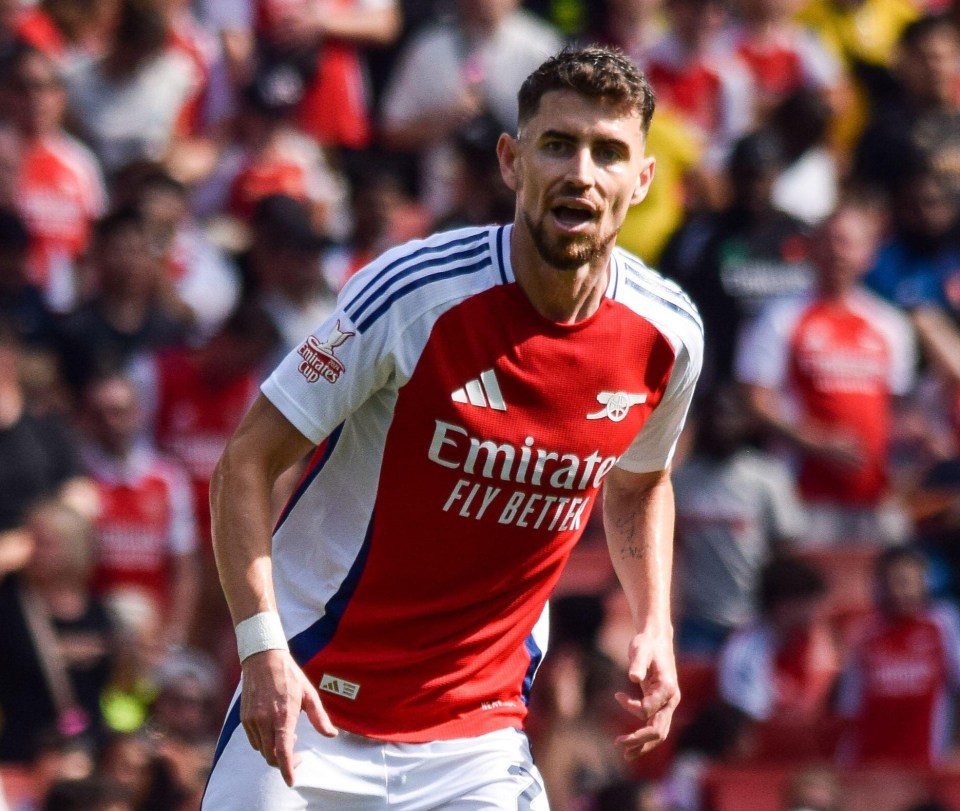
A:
<point x="22" y="306"/>
<point x="476" y="62"/>
<point x="322" y="42"/>
<point x="920" y="122"/>
<point x="146" y="525"/>
<point x="283" y="268"/>
<point x="126" y="761"/>
<point x="709" y="89"/>
<point x="781" y="55"/>
<point x="735" y="261"/>
<point x="133" y="311"/>
<point x="902" y="670"/>
<point x="129" y="104"/>
<point x="39" y="459"/>
<point x="199" y="273"/>
<point x="735" y="505"/>
<point x="807" y="188"/>
<point x="781" y="669"/>
<point x="822" y="372"/>
<point x="269" y="155"/>
<point x="60" y="190"/>
<point x="633" y="26"/>
<point x="55" y="637"/>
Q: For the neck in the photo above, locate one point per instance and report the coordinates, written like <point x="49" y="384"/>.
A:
<point x="564" y="296"/>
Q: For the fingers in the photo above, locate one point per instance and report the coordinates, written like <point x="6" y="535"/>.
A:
<point x="656" y="709"/>
<point x="316" y="714"/>
<point x="284" y="740"/>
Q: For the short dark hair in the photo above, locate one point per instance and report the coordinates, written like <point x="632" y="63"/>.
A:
<point x="594" y="71"/>
<point x="115" y="222"/>
<point x="784" y="579"/>
<point x="916" y="32"/>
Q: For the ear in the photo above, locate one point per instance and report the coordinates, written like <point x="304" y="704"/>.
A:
<point x="644" y="179"/>
<point x="508" y="149"/>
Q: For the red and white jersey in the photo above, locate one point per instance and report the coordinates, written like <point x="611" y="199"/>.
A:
<point x="192" y="420"/>
<point x="146" y="519"/>
<point x="792" y="58"/>
<point x="711" y="92"/>
<point x="839" y="363"/>
<point x="60" y="192"/>
<point x="897" y="689"/>
<point x="462" y="441"/>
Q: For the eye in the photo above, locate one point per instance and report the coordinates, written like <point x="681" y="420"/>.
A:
<point x="555" y="147"/>
<point x="607" y="154"/>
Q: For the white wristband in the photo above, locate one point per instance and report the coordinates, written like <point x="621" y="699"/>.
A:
<point x="260" y="632"/>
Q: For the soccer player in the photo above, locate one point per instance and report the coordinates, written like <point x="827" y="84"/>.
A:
<point x="467" y="399"/>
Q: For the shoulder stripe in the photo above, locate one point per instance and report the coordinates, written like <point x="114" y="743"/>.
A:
<point x="421" y="281"/>
<point x="409" y="264"/>
<point x="501" y="236"/>
<point x="653" y="285"/>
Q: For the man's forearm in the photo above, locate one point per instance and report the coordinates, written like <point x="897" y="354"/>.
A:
<point x="638" y="513"/>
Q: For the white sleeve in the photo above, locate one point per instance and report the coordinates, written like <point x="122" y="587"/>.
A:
<point x="763" y="348"/>
<point x="654" y="446"/>
<point x="334" y="371"/>
<point x="183" y="522"/>
<point x="821" y="68"/>
<point x="903" y="348"/>
<point x="744" y="674"/>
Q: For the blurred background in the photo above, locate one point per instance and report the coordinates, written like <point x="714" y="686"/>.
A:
<point x="186" y="186"/>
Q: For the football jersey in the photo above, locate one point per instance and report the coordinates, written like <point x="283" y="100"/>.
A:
<point x="463" y="438"/>
<point x="193" y="420"/>
<point x="60" y="193"/>
<point x="145" y="520"/>
<point x="897" y="689"/>
<point x="841" y="363"/>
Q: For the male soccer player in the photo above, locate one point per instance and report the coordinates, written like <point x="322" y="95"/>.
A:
<point x="467" y="398"/>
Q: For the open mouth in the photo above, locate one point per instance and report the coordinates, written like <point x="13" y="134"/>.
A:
<point x="571" y="216"/>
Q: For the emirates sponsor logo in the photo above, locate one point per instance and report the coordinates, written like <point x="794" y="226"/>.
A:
<point x="319" y="360"/>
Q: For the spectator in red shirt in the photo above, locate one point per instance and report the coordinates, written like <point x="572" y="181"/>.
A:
<point x="146" y="525"/>
<point x="903" y="670"/>
<point x="59" y="188"/>
<point x="823" y="370"/>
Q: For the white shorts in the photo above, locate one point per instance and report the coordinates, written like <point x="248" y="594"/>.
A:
<point x="353" y="773"/>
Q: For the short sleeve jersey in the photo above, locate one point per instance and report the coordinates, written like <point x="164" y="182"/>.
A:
<point x="842" y="362"/>
<point x="464" y="440"/>
<point x="146" y="520"/>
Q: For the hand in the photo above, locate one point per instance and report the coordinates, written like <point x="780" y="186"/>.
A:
<point x="653" y="668"/>
<point x="275" y="690"/>
<point x="844" y="452"/>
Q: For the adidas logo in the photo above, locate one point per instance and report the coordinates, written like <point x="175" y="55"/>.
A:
<point x="340" y="687"/>
<point x="483" y="392"/>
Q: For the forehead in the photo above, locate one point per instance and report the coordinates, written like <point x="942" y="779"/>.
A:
<point x="583" y="117"/>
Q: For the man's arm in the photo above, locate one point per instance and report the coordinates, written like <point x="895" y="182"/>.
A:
<point x="275" y="689"/>
<point x="638" y="516"/>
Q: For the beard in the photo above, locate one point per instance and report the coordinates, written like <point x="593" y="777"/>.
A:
<point x="568" y="252"/>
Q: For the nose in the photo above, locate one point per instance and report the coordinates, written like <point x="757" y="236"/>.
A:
<point x="581" y="168"/>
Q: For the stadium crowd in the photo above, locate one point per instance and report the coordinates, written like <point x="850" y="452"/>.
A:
<point x="185" y="187"/>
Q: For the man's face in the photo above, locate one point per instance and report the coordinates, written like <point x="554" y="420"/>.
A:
<point x="39" y="97"/>
<point x="844" y="248"/>
<point x="113" y="416"/>
<point x="576" y="167"/>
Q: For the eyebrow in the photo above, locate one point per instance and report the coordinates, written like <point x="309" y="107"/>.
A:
<point x="566" y="136"/>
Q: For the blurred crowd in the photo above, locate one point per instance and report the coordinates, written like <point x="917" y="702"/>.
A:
<point x="185" y="186"/>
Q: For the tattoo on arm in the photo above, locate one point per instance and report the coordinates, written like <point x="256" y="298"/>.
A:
<point x="632" y="547"/>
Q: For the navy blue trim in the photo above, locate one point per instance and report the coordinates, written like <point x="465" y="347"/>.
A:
<point x="615" y="269"/>
<point x="689" y="311"/>
<point x="310" y="641"/>
<point x="355" y="308"/>
<point x="311" y="474"/>
<point x="416" y="284"/>
<point x="501" y="235"/>
<point x="536" y="656"/>
<point x="230" y="724"/>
